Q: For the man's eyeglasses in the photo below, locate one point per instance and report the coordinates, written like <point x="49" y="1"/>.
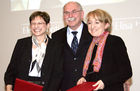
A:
<point x="72" y="12"/>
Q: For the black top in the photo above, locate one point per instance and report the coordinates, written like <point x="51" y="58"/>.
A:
<point x="51" y="71"/>
<point x="115" y="68"/>
<point x="90" y="68"/>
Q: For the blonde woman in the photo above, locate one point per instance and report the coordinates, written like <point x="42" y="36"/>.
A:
<point x="107" y="62"/>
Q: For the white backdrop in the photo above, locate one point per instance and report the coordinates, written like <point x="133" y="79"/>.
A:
<point x="14" y="25"/>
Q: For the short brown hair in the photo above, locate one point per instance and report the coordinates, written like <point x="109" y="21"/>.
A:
<point x="42" y="14"/>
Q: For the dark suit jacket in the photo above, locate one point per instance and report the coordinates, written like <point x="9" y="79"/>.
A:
<point x="73" y="64"/>
<point x="21" y="59"/>
<point x="115" y="68"/>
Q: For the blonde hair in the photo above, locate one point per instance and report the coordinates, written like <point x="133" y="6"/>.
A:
<point x="102" y="16"/>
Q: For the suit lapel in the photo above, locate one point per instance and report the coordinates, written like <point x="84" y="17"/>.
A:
<point x="28" y="54"/>
<point x="84" y="40"/>
<point x="65" y="41"/>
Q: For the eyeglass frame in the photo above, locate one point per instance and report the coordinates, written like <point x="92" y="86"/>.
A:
<point x="39" y="24"/>
<point x="72" y="12"/>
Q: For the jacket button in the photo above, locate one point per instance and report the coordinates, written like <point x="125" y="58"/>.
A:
<point x="75" y="70"/>
<point x="43" y="82"/>
<point x="75" y="59"/>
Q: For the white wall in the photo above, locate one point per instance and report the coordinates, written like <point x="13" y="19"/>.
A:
<point x="126" y="23"/>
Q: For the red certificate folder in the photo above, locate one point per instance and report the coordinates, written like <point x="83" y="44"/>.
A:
<point x="86" y="86"/>
<point x="22" y="85"/>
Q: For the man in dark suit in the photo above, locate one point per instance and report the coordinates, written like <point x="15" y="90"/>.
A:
<point x="73" y="59"/>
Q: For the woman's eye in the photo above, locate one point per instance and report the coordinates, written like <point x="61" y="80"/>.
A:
<point x="89" y="23"/>
<point x="97" y="22"/>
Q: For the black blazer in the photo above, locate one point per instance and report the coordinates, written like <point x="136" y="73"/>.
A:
<point x="115" y="68"/>
<point x="73" y="64"/>
<point x="21" y="59"/>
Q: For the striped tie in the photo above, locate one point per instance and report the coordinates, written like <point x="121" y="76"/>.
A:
<point x="74" y="44"/>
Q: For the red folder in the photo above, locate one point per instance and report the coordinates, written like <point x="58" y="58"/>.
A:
<point x="86" y="86"/>
<point x="22" y="85"/>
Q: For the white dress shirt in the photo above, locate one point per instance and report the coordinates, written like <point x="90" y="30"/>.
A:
<point x="70" y="35"/>
<point x="37" y="55"/>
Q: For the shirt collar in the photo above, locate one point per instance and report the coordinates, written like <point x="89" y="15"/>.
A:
<point x="79" y="29"/>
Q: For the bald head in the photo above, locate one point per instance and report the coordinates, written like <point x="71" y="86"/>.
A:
<point x="74" y="3"/>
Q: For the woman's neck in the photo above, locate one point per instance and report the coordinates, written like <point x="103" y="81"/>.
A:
<point x="40" y="39"/>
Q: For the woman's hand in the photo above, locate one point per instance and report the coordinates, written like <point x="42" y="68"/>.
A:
<point x="99" y="84"/>
<point x="9" y="88"/>
<point x="81" y="80"/>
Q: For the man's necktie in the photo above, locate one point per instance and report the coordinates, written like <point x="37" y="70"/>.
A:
<point x="74" y="43"/>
